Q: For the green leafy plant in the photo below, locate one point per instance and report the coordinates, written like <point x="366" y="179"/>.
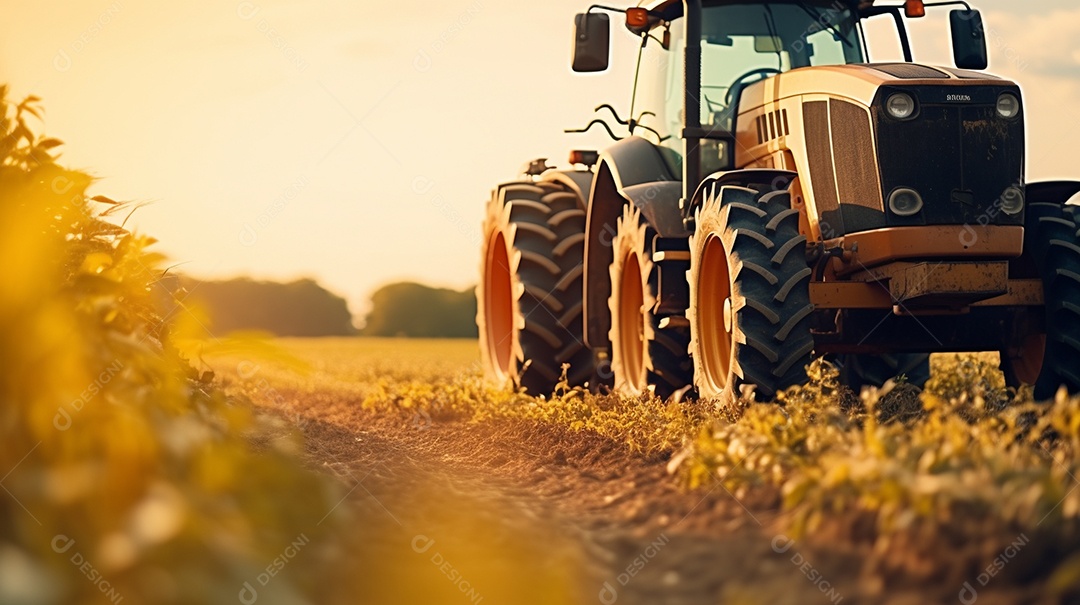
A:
<point x="126" y="476"/>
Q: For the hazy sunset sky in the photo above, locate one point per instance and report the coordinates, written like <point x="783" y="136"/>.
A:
<point x="356" y="142"/>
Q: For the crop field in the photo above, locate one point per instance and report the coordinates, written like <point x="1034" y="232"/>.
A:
<point x="966" y="486"/>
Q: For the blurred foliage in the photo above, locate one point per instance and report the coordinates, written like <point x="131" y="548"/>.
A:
<point x="126" y="476"/>
<point x="298" y="308"/>
<point x="418" y="311"/>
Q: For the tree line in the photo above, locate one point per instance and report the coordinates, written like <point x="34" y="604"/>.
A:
<point x="304" y="308"/>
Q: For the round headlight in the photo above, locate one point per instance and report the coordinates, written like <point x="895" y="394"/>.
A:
<point x="905" y="202"/>
<point x="1008" y="106"/>
<point x="900" y="106"/>
<point x="1012" y="200"/>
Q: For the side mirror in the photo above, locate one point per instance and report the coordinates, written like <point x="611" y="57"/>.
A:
<point x="968" y="39"/>
<point x="592" y="42"/>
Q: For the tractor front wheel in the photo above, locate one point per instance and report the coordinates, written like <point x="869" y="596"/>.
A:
<point x="749" y="296"/>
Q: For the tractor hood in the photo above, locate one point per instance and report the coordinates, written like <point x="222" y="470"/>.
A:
<point x="867" y="140"/>
<point x="860" y="83"/>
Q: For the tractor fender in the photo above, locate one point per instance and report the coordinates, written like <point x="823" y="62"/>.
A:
<point x="577" y="181"/>
<point x="630" y="171"/>
<point x="762" y="179"/>
<point x="659" y="204"/>
<point x="1052" y="192"/>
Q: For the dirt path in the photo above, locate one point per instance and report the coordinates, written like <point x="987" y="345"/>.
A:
<point x="522" y="512"/>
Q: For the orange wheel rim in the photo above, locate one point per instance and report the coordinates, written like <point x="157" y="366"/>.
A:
<point x="713" y="298"/>
<point x="499" y="304"/>
<point x="631" y="321"/>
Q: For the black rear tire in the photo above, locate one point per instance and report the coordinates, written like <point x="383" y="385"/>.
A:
<point x="643" y="354"/>
<point x="530" y="292"/>
<point x="1048" y="357"/>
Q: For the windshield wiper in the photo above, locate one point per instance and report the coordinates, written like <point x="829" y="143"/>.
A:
<point x="816" y="16"/>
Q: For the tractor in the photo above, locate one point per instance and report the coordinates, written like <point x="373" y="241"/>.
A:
<point x="777" y="196"/>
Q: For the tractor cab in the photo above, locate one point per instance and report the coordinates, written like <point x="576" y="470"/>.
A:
<point x="745" y="43"/>
<point x="694" y="68"/>
<point x="741" y="44"/>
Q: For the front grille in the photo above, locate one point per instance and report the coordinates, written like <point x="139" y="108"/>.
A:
<point x="843" y="169"/>
<point x="819" y="152"/>
<point x="959" y="156"/>
<point x="856" y="167"/>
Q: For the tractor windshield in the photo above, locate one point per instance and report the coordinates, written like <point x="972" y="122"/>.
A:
<point x="741" y="44"/>
<point x="744" y="43"/>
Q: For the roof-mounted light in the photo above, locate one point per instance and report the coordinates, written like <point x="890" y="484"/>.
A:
<point x="637" y="18"/>
<point x="914" y="9"/>
<point x="584" y="156"/>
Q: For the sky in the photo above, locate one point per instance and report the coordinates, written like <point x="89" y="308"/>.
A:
<point x="357" y="144"/>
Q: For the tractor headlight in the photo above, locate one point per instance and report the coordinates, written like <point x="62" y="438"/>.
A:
<point x="1012" y="201"/>
<point x="1008" y="106"/>
<point x="900" y="106"/>
<point x="905" y="202"/>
